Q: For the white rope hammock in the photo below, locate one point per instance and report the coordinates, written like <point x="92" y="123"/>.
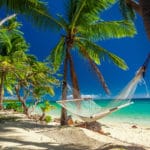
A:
<point x="88" y="110"/>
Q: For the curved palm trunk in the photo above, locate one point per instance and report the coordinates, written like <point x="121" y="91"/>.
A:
<point x="1" y="90"/>
<point x="75" y="86"/>
<point x="134" y="5"/>
<point x="100" y="76"/>
<point x="63" y="120"/>
<point x="25" y="108"/>
<point x="76" y="90"/>
<point x="143" y="8"/>
<point x="96" y="69"/>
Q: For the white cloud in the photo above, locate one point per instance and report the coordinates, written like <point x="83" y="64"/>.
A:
<point x="92" y="96"/>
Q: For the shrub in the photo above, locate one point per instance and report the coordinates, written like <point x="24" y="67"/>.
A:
<point x="15" y="106"/>
<point x="48" y="119"/>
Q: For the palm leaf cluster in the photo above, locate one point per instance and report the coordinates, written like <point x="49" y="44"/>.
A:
<point x="142" y="7"/>
<point x="83" y="27"/>
<point x="35" y="11"/>
<point x="127" y="11"/>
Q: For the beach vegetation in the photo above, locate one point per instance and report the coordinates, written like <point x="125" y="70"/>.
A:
<point x="20" y="72"/>
<point x="46" y="108"/>
<point x="48" y="119"/>
<point x="82" y="27"/>
<point x="14" y="106"/>
<point x="12" y="48"/>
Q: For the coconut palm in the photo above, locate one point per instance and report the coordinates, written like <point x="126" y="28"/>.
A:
<point x="82" y="27"/>
<point x="20" y="71"/>
<point x="12" y="45"/>
<point x="142" y="7"/>
<point x="12" y="52"/>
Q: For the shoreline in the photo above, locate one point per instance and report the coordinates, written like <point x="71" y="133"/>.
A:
<point x="29" y="135"/>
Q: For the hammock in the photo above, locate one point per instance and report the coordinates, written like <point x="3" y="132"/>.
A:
<point x="90" y="111"/>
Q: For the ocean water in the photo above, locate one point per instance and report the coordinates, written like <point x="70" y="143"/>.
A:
<point x="136" y="113"/>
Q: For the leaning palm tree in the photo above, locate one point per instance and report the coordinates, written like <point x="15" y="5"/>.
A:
<point x="12" y="45"/>
<point x="82" y="28"/>
<point x="142" y="7"/>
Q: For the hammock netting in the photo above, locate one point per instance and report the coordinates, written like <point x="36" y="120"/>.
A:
<point x="90" y="110"/>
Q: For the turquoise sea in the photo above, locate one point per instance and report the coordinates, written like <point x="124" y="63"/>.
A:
<point x="137" y="113"/>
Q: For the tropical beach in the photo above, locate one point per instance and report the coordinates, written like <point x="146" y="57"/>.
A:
<point x="74" y="75"/>
<point x="23" y="133"/>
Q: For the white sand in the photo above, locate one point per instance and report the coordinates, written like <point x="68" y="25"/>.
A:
<point x="29" y="135"/>
<point x="125" y="132"/>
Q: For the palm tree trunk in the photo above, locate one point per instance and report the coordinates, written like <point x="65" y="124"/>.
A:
<point x="1" y="90"/>
<point x="76" y="90"/>
<point x="135" y="6"/>
<point x="96" y="69"/>
<point x="75" y="86"/>
<point x="145" y="8"/>
<point x="25" y="108"/>
<point x="63" y="120"/>
<point x="100" y="76"/>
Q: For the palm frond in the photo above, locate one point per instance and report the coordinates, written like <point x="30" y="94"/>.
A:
<point x="95" y="50"/>
<point x="86" y="11"/>
<point x="106" y="30"/>
<point x="126" y="10"/>
<point x="63" y="22"/>
<point x="91" y="11"/>
<point x="87" y="54"/>
<point x="57" y="54"/>
<point x="5" y="43"/>
<point x="79" y="7"/>
<point x="35" y="11"/>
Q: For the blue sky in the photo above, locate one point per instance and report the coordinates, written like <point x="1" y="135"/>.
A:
<point x="132" y="50"/>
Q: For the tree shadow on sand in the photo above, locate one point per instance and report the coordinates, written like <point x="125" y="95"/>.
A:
<point x="53" y="146"/>
<point x="48" y="146"/>
<point x="120" y="147"/>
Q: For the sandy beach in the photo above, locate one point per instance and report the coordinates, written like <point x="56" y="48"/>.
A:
<point x="24" y="134"/>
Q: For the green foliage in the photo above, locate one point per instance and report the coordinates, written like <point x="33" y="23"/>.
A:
<point x="57" y="54"/>
<point x="97" y="53"/>
<point x="46" y="107"/>
<point x="48" y="119"/>
<point x="86" y="11"/>
<point x="15" y="106"/>
<point x="36" y="11"/>
<point x="10" y="100"/>
<point x="106" y="30"/>
<point x="126" y="10"/>
<point x="84" y="23"/>
<point x="83" y="26"/>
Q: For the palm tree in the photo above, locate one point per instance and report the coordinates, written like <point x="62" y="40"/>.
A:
<point x="129" y="7"/>
<point x="12" y="46"/>
<point x="21" y="72"/>
<point x="82" y="27"/>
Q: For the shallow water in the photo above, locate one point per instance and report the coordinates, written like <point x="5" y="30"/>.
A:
<point x="137" y="113"/>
